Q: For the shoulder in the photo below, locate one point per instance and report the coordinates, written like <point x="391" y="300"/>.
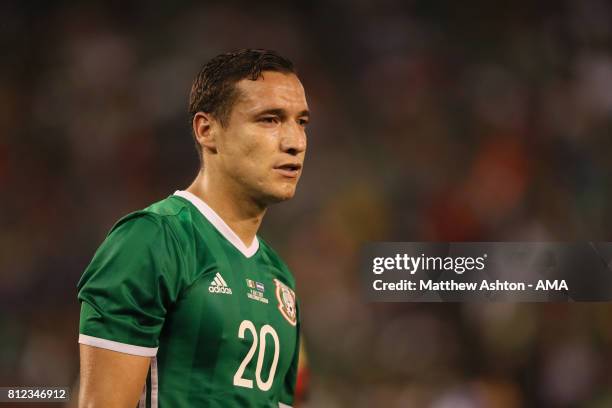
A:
<point x="163" y="228"/>
<point x="139" y="243"/>
<point x="173" y="228"/>
<point x="171" y="206"/>
<point x="161" y="216"/>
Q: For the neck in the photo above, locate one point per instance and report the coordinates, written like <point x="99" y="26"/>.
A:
<point x="242" y="214"/>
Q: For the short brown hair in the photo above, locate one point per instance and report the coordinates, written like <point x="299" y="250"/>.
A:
<point x="213" y="90"/>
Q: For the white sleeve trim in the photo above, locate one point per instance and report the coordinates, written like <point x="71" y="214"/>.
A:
<point x="116" y="346"/>
<point x="281" y="405"/>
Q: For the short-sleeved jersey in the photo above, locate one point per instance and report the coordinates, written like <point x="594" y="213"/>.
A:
<point x="219" y="319"/>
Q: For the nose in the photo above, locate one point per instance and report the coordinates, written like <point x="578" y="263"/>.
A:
<point x="293" y="140"/>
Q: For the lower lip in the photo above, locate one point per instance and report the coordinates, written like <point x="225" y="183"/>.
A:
<point x="288" y="173"/>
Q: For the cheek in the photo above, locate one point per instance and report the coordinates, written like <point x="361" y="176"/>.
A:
<point x="253" y="155"/>
<point x="239" y="144"/>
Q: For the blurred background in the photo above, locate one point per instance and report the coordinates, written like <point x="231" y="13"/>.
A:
<point x="447" y="121"/>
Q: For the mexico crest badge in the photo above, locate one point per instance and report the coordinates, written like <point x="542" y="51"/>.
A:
<point x="286" y="302"/>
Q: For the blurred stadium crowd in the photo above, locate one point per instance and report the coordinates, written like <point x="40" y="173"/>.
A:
<point x="469" y="121"/>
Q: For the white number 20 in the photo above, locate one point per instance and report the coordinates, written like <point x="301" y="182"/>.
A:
<point x="265" y="330"/>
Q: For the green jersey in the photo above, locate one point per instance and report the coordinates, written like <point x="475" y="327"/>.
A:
<point x="218" y="319"/>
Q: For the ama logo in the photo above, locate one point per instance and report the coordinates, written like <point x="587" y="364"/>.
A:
<point x="551" y="285"/>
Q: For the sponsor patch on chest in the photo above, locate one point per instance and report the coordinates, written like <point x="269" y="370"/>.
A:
<point x="256" y="291"/>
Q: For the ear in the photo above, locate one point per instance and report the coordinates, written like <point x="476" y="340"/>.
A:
<point x="205" y="129"/>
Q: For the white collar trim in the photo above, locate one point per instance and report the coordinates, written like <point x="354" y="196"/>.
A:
<point x="219" y="224"/>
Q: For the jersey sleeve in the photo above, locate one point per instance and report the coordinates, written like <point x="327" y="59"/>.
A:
<point x="129" y="285"/>
<point x="287" y="394"/>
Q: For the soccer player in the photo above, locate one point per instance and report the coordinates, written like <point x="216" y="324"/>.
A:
<point x="183" y="305"/>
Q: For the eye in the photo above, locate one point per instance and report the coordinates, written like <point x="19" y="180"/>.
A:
<point x="268" y="119"/>
<point x="303" y="122"/>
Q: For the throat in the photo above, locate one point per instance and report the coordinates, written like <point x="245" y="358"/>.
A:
<point x="237" y="212"/>
<point x="242" y="221"/>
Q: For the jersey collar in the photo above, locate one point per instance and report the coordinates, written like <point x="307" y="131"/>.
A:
<point x="219" y="224"/>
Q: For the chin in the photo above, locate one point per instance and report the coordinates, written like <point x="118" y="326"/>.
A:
<point x="283" y="197"/>
<point x="280" y="195"/>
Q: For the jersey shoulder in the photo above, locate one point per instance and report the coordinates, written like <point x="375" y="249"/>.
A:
<point x="170" y="206"/>
<point x="170" y="218"/>
<point x="157" y="213"/>
<point x="139" y="237"/>
<point x="171" y="214"/>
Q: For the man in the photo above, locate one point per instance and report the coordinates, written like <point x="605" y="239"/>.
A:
<point x="183" y="305"/>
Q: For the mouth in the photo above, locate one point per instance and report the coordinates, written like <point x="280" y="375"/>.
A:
<point x="290" y="170"/>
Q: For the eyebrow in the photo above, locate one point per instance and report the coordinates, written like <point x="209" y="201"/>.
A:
<point x="282" y="113"/>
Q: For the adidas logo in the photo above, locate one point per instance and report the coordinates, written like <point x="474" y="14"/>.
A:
<point x="218" y="285"/>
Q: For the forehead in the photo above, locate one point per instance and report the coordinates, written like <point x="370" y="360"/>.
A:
<point x="272" y="90"/>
